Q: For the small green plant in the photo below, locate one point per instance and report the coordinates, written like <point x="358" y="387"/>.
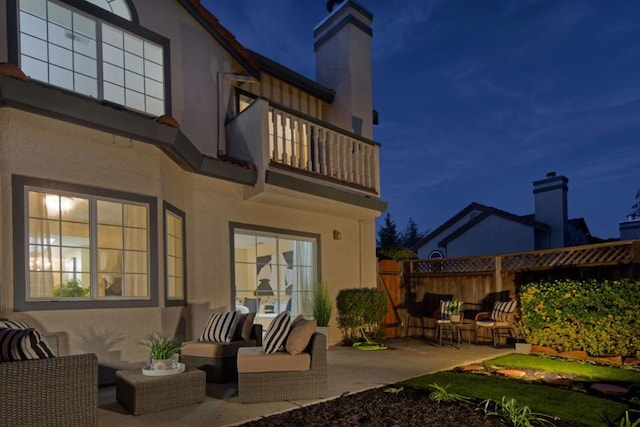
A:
<point x="393" y="390"/>
<point x="161" y="347"/>
<point x="455" y="306"/>
<point x="517" y="416"/>
<point x="321" y="304"/>
<point x="626" y="421"/>
<point x="72" y="288"/>
<point x="442" y="394"/>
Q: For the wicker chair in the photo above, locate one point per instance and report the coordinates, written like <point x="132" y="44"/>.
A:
<point x="501" y="318"/>
<point x="59" y="391"/>
<point x="272" y="386"/>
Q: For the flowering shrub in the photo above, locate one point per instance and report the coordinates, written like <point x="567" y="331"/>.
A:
<point x="599" y="317"/>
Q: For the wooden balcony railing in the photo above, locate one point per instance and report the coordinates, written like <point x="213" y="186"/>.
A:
<point x="308" y="145"/>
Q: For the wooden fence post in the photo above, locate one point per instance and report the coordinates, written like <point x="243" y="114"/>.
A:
<point x="498" y="272"/>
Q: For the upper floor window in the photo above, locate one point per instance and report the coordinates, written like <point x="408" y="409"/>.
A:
<point x="79" y="52"/>
<point x="117" y="7"/>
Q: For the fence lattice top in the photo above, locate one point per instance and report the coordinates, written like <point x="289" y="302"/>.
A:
<point x="611" y="253"/>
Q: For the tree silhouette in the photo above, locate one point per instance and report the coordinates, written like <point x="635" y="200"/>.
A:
<point x="388" y="234"/>
<point x="411" y="235"/>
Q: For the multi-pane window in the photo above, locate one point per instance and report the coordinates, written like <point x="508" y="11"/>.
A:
<point x="117" y="7"/>
<point x="85" y="247"/>
<point x="78" y="52"/>
<point x="175" y="254"/>
<point x="274" y="272"/>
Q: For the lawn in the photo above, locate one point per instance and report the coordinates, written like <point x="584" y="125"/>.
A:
<point x="572" y="404"/>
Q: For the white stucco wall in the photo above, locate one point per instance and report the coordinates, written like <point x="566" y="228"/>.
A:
<point x="493" y="235"/>
<point x="36" y="146"/>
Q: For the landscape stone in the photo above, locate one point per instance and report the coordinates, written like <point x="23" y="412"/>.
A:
<point x="609" y="389"/>
<point x="543" y="350"/>
<point x="554" y="378"/>
<point x="475" y="367"/>
<point x="607" y="360"/>
<point x="512" y="373"/>
<point x="576" y="355"/>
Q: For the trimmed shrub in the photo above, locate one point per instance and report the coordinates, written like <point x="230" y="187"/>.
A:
<point x="599" y="317"/>
<point x="396" y="254"/>
<point x="361" y="310"/>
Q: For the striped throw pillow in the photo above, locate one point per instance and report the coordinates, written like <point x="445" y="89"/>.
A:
<point x="220" y="327"/>
<point x="277" y="333"/>
<point x="39" y="345"/>
<point x="502" y="307"/>
<point x="445" y="311"/>
<point x="21" y="344"/>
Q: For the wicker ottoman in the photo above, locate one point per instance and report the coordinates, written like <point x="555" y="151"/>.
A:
<point x="141" y="394"/>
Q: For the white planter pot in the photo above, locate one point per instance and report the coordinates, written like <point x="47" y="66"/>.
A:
<point x="455" y="318"/>
<point x="523" y="348"/>
<point x="324" y="330"/>
<point x="165" y="364"/>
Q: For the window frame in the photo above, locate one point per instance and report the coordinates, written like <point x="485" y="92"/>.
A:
<point x="20" y="187"/>
<point x="96" y="12"/>
<point x="281" y="233"/>
<point x="174" y="302"/>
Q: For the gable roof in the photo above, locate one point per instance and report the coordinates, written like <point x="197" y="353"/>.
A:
<point x="222" y="36"/>
<point x="485" y="211"/>
<point x="296" y="79"/>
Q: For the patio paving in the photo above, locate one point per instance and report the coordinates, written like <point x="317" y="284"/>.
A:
<point x="350" y="370"/>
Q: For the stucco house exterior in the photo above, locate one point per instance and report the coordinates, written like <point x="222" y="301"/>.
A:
<point x="153" y="169"/>
<point x="483" y="230"/>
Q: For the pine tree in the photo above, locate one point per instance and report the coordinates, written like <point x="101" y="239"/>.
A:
<point x="411" y="236"/>
<point x="387" y="234"/>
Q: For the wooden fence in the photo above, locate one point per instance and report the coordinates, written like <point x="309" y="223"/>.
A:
<point x="417" y="286"/>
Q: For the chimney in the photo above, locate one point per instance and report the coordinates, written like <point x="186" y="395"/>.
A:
<point x="343" y="63"/>
<point x="551" y="209"/>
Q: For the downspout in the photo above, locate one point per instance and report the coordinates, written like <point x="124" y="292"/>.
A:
<point x="360" y="252"/>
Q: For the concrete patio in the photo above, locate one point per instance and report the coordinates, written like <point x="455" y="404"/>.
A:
<point x="350" y="371"/>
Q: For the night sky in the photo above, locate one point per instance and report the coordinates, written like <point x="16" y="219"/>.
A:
<point x="478" y="99"/>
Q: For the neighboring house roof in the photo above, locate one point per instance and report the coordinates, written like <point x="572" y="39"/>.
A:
<point x="580" y="225"/>
<point x="222" y="35"/>
<point x="485" y="211"/>
<point x="296" y="79"/>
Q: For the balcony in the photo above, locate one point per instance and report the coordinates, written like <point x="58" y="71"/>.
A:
<point x="302" y="154"/>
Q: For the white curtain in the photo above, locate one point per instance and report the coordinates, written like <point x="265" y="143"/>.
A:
<point x="305" y="281"/>
<point x="41" y="266"/>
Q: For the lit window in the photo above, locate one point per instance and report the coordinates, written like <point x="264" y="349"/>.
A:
<point x="274" y="272"/>
<point x="59" y="45"/>
<point x="85" y="247"/>
<point x="174" y="221"/>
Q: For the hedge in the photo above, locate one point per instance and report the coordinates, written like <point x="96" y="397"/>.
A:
<point x="361" y="310"/>
<point x="598" y="317"/>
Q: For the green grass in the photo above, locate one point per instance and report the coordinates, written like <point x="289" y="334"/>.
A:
<point x="568" y="405"/>
<point x="602" y="373"/>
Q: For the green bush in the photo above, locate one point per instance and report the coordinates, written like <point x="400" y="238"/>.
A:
<point x="396" y="254"/>
<point x="361" y="311"/>
<point x="599" y="317"/>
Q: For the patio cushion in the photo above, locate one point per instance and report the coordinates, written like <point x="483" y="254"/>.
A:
<point x="500" y="308"/>
<point x="211" y="349"/>
<point x="220" y="327"/>
<point x="277" y="333"/>
<point x="39" y="345"/>
<point x="253" y="359"/>
<point x="243" y="329"/>
<point x="300" y="335"/>
<point x="21" y="344"/>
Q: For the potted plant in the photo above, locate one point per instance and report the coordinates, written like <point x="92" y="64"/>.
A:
<point x="72" y="288"/>
<point x="322" y="308"/>
<point x="455" y="310"/>
<point x="164" y="351"/>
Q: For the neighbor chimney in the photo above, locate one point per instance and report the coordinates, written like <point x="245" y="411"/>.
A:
<point x="343" y="63"/>
<point x="551" y="209"/>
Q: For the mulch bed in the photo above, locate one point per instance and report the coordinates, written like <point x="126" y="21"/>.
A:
<point x="375" y="407"/>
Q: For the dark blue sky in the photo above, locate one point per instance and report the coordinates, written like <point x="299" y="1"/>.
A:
<point x="477" y="99"/>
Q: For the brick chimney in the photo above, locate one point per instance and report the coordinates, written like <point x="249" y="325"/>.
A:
<point x="551" y="209"/>
<point x="343" y="63"/>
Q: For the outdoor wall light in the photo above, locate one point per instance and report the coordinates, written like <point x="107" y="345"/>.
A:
<point x="337" y="235"/>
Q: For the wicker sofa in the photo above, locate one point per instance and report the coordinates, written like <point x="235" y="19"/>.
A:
<point x="284" y="385"/>
<point x="218" y="359"/>
<point x="58" y="391"/>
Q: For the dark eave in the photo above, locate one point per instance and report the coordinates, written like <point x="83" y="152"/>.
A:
<point x="223" y="36"/>
<point x="298" y="80"/>
<point x="284" y="180"/>
<point x="63" y="105"/>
